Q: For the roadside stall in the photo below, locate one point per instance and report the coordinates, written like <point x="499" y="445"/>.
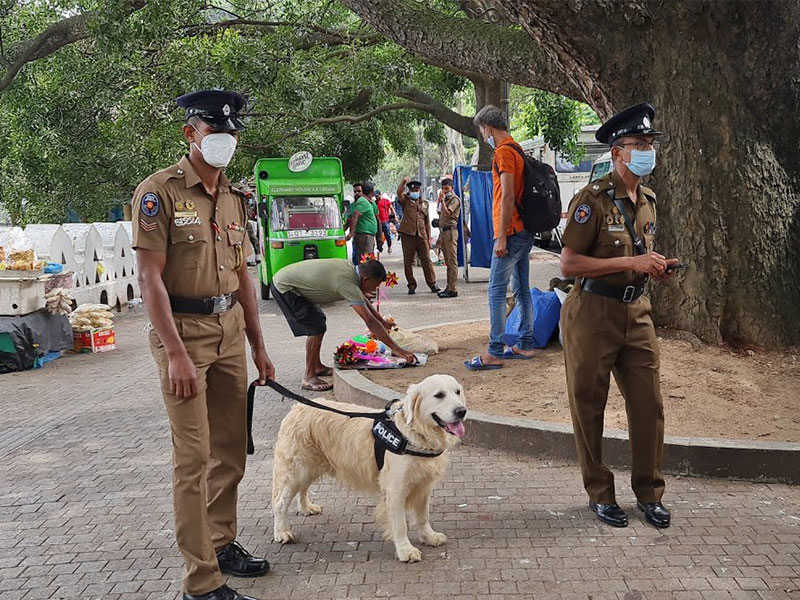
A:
<point x="30" y="334"/>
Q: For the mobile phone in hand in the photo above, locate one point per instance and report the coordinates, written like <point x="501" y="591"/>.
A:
<point x="676" y="266"/>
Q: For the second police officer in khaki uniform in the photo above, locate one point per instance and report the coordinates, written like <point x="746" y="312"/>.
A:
<point x="189" y="233"/>
<point x="448" y="236"/>
<point x="415" y="234"/>
<point x="606" y="322"/>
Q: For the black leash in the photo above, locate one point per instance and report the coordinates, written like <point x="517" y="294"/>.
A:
<point x="286" y="393"/>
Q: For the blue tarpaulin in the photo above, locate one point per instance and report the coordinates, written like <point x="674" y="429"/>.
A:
<point x="480" y="218"/>
<point x="546" y="311"/>
<point x="460" y="175"/>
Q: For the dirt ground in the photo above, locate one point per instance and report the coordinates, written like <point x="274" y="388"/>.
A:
<point x="708" y="392"/>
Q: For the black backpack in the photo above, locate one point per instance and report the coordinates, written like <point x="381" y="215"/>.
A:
<point x="540" y="205"/>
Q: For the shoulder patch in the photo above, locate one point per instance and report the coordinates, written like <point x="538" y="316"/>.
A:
<point x="582" y="213"/>
<point x="150" y="204"/>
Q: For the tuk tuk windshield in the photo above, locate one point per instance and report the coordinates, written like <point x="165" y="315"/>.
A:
<point x="304" y="212"/>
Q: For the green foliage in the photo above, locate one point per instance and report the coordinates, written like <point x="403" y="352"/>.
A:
<point x="82" y="127"/>
<point x="557" y="119"/>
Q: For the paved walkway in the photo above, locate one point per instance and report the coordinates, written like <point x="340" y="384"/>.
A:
<point x="86" y="510"/>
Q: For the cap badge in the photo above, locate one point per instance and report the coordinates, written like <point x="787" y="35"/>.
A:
<point x="226" y="110"/>
<point x="646" y="122"/>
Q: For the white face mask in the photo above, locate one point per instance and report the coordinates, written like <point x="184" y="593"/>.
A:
<point x="217" y="148"/>
<point x="490" y="140"/>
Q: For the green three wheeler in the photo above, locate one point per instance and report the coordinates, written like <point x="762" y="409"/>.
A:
<point x="299" y="212"/>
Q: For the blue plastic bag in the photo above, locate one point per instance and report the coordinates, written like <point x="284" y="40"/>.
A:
<point x="546" y="312"/>
<point x="53" y="268"/>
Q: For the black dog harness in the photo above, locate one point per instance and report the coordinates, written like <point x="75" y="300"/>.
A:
<point x="386" y="434"/>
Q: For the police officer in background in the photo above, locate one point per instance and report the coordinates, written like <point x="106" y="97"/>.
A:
<point x="606" y="321"/>
<point x="415" y="233"/>
<point x="191" y="242"/>
<point x="448" y="236"/>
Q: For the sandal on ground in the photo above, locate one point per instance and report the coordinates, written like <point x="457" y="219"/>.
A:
<point x="317" y="387"/>
<point x="476" y="364"/>
<point x="509" y="354"/>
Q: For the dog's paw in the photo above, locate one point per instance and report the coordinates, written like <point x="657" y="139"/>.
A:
<point x="409" y="554"/>
<point x="312" y="509"/>
<point x="434" y="538"/>
<point x="284" y="537"/>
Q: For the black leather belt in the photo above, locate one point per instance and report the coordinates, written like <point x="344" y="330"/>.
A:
<point x="448" y="228"/>
<point x="204" y="306"/>
<point x="624" y="293"/>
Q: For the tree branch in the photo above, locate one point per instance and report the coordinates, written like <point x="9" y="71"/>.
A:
<point x="318" y="36"/>
<point x="435" y="109"/>
<point x="449" y="117"/>
<point x="460" y="43"/>
<point x="56" y="36"/>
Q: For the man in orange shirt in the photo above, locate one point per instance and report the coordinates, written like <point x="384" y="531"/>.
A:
<point x="512" y="245"/>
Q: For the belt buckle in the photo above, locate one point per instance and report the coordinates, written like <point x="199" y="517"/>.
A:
<point x="630" y="291"/>
<point x="221" y="303"/>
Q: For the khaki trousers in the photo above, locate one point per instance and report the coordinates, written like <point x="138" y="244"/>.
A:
<point x="416" y="245"/>
<point x="602" y="335"/>
<point x="209" y="441"/>
<point x="448" y="241"/>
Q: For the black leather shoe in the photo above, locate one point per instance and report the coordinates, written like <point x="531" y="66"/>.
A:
<point x="610" y="513"/>
<point x="235" y="560"/>
<point x="448" y="294"/>
<point x="223" y="593"/>
<point x="655" y="514"/>
<point x="435" y="289"/>
<point x="411" y="291"/>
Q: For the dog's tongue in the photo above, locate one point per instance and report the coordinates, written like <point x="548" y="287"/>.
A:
<point x="456" y="429"/>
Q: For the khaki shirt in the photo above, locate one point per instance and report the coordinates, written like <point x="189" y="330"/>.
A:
<point x="415" y="217"/>
<point x="173" y="213"/>
<point x="453" y="204"/>
<point x="596" y="228"/>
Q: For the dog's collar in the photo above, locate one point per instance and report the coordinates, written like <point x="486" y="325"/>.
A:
<point x="389" y="437"/>
<point x="392" y="408"/>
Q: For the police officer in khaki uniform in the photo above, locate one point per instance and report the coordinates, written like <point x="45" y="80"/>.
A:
<point x="448" y="236"/>
<point x="189" y="231"/>
<point x="415" y="234"/>
<point x="606" y="320"/>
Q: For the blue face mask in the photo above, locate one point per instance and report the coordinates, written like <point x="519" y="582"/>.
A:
<point x="414" y="195"/>
<point x="642" y="162"/>
<point x="490" y="141"/>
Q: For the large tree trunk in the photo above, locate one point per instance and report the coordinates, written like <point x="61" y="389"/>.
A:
<point x="722" y="76"/>
<point x="488" y="90"/>
<point x="718" y="74"/>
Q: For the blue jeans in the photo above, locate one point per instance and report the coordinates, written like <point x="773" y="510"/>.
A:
<point x="516" y="263"/>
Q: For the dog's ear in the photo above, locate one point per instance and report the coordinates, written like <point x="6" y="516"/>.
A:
<point x="413" y="396"/>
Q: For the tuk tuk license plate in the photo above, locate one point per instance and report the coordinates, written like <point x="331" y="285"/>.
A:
<point x="307" y="233"/>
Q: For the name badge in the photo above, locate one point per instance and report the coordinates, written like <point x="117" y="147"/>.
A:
<point x="184" y="221"/>
<point x="616" y="228"/>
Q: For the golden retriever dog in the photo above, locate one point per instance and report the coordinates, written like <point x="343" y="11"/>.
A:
<point x="313" y="442"/>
